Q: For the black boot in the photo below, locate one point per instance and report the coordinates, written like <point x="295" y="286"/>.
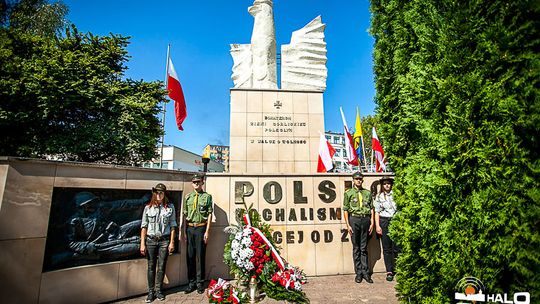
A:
<point x="150" y="298"/>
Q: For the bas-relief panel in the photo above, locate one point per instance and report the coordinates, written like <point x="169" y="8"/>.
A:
<point x="93" y="226"/>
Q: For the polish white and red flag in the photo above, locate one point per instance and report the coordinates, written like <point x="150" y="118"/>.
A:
<point x="379" y="152"/>
<point x="176" y="94"/>
<point x="326" y="152"/>
<point x="352" y="157"/>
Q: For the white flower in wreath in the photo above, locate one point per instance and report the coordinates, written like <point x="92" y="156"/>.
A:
<point x="247" y="253"/>
<point x="297" y="286"/>
<point x="246" y="232"/>
<point x="246" y="241"/>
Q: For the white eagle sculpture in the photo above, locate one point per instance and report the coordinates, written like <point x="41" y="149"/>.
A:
<point x="303" y="61"/>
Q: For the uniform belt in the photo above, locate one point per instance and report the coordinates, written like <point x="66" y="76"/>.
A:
<point x="159" y="237"/>
<point x="196" y="224"/>
<point x="385" y="217"/>
<point x="360" y="215"/>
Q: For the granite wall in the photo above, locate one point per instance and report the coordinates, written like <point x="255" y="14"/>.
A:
<point x="303" y="209"/>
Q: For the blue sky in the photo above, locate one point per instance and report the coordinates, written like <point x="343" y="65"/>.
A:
<point x="200" y="33"/>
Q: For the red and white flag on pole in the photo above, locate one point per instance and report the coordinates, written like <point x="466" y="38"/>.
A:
<point x="352" y="157"/>
<point x="176" y="94"/>
<point x="379" y="153"/>
<point x="326" y="152"/>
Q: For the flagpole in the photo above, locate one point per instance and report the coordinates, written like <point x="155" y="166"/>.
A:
<point x="164" y="108"/>
<point x="371" y="164"/>
<point x="362" y="139"/>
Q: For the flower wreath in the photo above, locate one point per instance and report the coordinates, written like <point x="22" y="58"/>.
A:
<point x="250" y="252"/>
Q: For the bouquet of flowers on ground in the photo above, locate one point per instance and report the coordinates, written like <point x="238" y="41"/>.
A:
<point x="251" y="253"/>
<point x="221" y="291"/>
<point x="290" y="278"/>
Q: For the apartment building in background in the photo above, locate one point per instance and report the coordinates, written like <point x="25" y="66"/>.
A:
<point x="175" y="158"/>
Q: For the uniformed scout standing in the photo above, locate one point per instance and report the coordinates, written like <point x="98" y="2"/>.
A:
<point x="358" y="214"/>
<point x="385" y="209"/>
<point x="157" y="239"/>
<point x="197" y="216"/>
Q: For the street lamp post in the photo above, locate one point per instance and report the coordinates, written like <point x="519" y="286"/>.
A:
<point x="206" y="158"/>
<point x="205" y="161"/>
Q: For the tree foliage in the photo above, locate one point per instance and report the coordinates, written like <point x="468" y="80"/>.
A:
<point x="37" y="17"/>
<point x="66" y="97"/>
<point x="457" y="93"/>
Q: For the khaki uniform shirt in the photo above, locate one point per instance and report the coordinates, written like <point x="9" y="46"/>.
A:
<point x="357" y="201"/>
<point x="198" y="206"/>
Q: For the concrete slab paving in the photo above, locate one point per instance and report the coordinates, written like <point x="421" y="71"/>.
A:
<point x="322" y="289"/>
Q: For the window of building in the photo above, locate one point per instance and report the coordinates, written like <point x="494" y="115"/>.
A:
<point x="336" y="140"/>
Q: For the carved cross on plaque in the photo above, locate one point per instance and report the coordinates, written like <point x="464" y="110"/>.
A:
<point x="278" y="104"/>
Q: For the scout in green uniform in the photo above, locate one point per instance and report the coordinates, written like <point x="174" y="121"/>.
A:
<point x="197" y="216"/>
<point x="358" y="214"/>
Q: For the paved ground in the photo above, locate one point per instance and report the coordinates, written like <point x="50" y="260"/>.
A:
<point x="327" y="289"/>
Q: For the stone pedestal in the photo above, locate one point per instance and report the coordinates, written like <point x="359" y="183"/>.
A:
<point x="275" y="131"/>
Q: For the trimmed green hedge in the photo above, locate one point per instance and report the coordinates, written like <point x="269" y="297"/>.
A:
<point x="457" y="93"/>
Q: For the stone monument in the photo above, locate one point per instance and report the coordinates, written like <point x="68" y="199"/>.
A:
<point x="277" y="130"/>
